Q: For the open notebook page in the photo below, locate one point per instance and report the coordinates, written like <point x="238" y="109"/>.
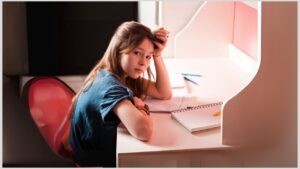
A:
<point x="201" y="118"/>
<point x="180" y="99"/>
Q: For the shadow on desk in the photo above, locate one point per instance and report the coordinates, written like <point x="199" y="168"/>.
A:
<point x="162" y="136"/>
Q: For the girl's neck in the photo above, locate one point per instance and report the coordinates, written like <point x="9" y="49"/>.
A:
<point x="123" y="79"/>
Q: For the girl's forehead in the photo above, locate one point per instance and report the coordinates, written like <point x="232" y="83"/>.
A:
<point x="146" y="45"/>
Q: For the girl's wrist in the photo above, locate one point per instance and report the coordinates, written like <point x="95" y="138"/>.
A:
<point x="147" y="113"/>
<point x="156" y="56"/>
<point x="145" y="109"/>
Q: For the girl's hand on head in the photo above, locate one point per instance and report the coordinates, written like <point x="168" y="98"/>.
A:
<point x="163" y="35"/>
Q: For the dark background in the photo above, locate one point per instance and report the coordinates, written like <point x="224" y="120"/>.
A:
<point x="49" y="38"/>
<point x="69" y="38"/>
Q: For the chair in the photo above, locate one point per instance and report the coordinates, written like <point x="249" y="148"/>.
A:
<point x="48" y="100"/>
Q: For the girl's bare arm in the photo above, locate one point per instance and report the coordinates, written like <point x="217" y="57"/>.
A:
<point x="138" y="122"/>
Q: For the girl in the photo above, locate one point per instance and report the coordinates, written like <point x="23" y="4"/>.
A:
<point x="111" y="94"/>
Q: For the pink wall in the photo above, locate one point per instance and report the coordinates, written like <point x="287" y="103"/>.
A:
<point x="217" y="25"/>
<point x="245" y="29"/>
<point x="209" y="34"/>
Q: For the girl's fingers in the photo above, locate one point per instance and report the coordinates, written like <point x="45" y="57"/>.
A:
<point x="139" y="107"/>
<point x="161" y="31"/>
<point x="163" y="39"/>
<point x="159" y="46"/>
<point x="161" y="34"/>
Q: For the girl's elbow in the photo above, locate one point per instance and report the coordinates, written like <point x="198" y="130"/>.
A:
<point x="144" y="132"/>
<point x="167" y="96"/>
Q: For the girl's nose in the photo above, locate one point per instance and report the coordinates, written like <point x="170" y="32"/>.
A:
<point x="142" y="61"/>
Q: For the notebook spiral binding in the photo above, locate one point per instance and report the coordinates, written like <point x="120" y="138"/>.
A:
<point x="198" y="107"/>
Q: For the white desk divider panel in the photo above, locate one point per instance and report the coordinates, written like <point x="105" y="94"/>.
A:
<point x="264" y="114"/>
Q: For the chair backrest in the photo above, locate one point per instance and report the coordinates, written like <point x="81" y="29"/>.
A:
<point x="49" y="100"/>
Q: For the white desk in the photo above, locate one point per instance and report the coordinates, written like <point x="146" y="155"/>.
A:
<point x="172" y="145"/>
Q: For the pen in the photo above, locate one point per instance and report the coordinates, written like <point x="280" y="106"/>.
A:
<point x="191" y="74"/>
<point x="185" y="78"/>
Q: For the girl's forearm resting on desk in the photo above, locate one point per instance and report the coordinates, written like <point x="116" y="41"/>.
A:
<point x="137" y="122"/>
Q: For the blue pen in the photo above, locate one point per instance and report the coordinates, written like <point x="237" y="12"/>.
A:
<point x="188" y="79"/>
<point x="191" y="74"/>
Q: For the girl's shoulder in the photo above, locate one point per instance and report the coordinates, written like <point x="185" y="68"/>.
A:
<point x="106" y="78"/>
<point x="107" y="82"/>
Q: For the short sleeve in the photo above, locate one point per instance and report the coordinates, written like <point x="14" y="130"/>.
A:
<point x="113" y="96"/>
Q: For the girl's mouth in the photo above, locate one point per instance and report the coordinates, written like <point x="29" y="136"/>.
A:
<point x="139" y="70"/>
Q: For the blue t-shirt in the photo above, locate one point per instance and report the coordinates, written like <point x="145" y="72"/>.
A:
<point x="94" y="124"/>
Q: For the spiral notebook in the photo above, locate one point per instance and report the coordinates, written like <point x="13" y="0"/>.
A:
<point x="199" y="117"/>
<point x="180" y="99"/>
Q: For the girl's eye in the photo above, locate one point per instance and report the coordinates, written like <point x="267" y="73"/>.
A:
<point x="149" y="57"/>
<point x="137" y="53"/>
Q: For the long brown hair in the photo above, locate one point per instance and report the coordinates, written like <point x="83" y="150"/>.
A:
<point x="126" y="38"/>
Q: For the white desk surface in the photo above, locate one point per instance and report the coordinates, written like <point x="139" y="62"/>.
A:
<point x="169" y="135"/>
<point x="221" y="79"/>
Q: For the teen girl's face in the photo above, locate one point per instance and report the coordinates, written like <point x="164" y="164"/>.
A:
<point x="138" y="60"/>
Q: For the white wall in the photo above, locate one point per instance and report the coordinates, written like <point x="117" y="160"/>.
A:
<point x="148" y="13"/>
<point x="175" y="16"/>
